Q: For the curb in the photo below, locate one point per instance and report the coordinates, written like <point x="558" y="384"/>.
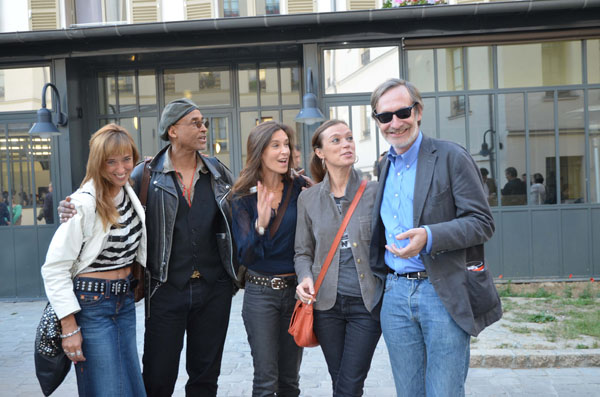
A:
<point x="519" y="359"/>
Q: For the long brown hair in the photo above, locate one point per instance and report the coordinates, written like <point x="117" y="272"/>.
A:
<point x="258" y="140"/>
<point x="317" y="169"/>
<point x="108" y="141"/>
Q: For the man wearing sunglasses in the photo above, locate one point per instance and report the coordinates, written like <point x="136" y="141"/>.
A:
<point x="190" y="255"/>
<point x="433" y="218"/>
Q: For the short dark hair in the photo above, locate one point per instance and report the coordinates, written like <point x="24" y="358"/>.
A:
<point x="512" y="171"/>
<point x="538" y="178"/>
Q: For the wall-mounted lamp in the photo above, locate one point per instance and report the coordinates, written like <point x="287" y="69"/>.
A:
<point x="310" y="113"/>
<point x="485" y="149"/>
<point x="44" y="127"/>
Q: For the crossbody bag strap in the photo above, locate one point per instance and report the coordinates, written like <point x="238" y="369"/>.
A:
<point x="145" y="183"/>
<point x="338" y="236"/>
<point x="281" y="211"/>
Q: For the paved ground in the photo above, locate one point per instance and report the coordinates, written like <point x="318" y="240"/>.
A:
<point x="17" y="378"/>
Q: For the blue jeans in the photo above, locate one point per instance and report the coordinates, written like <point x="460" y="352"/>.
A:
<point x="348" y="335"/>
<point x="112" y="367"/>
<point x="429" y="352"/>
<point x="276" y="357"/>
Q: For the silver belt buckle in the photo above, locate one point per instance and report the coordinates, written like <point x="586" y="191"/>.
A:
<point x="274" y="280"/>
<point x="408" y="277"/>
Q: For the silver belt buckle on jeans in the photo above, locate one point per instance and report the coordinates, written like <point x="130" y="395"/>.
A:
<point x="274" y="282"/>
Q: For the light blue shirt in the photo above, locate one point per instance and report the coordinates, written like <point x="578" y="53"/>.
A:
<point x="397" y="206"/>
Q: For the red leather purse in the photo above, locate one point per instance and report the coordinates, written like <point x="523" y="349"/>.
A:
<point x="301" y="325"/>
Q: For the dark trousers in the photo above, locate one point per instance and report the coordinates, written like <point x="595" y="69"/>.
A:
<point x="276" y="357"/>
<point x="348" y="335"/>
<point x="201" y="310"/>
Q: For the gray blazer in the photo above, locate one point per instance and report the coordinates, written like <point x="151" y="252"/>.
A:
<point x="316" y="227"/>
<point x="449" y="198"/>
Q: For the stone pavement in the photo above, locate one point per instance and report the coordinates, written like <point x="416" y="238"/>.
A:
<point x="499" y="377"/>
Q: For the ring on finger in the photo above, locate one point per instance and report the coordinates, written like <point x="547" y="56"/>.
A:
<point x="78" y="352"/>
<point x="71" y="354"/>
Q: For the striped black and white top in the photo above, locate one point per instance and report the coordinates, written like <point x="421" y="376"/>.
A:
<point x="122" y="243"/>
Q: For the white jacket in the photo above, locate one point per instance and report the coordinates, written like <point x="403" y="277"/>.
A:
<point x="85" y="230"/>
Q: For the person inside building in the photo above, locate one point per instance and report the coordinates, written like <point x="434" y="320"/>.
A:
<point x="191" y="259"/>
<point x="537" y="190"/>
<point x="433" y="218"/>
<point x="264" y="226"/>
<point x="514" y="191"/>
<point x="347" y="331"/>
<point x="97" y="246"/>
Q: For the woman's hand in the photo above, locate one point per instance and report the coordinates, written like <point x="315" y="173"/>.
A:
<point x="264" y="200"/>
<point x="66" y="210"/>
<point x="306" y="290"/>
<point x="72" y="344"/>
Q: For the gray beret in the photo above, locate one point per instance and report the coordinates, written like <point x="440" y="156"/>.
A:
<point x="172" y="113"/>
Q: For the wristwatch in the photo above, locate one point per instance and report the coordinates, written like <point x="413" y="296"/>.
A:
<point x="259" y="229"/>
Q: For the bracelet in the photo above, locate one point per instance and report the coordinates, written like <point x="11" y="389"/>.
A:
<point x="63" y="336"/>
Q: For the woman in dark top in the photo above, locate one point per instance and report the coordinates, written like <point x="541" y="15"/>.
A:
<point x="260" y="196"/>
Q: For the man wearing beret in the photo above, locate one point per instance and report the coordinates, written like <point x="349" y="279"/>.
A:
<point x="190" y="255"/>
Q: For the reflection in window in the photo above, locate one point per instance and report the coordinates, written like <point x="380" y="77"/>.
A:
<point x="482" y="142"/>
<point x="450" y="69"/>
<point x="219" y="139"/>
<point x="20" y="89"/>
<point x="480" y="67"/>
<point x="290" y="83"/>
<point x="204" y="87"/>
<point x="571" y="137"/>
<point x="539" y="64"/>
<point x="512" y="158"/>
<point x="347" y="72"/>
<point x="421" y="69"/>
<point x="25" y="177"/>
<point x="272" y="7"/>
<point x="107" y="93"/>
<point x="269" y="85"/>
<point x="248" y="85"/>
<point x="593" y="60"/>
<point x="542" y="150"/>
<point x="98" y="11"/>
<point x="127" y="92"/>
<point x="453" y="126"/>
<point x="231" y="8"/>
<point x="594" y="145"/>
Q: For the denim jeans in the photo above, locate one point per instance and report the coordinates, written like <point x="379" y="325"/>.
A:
<point x="429" y="352"/>
<point x="348" y="335"/>
<point x="200" y="312"/>
<point x="112" y="366"/>
<point x="276" y="357"/>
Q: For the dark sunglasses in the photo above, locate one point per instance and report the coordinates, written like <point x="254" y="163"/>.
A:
<point x="402" y="113"/>
<point x="198" y="123"/>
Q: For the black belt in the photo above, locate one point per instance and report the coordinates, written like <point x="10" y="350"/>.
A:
<point x="275" y="282"/>
<point x="116" y="287"/>
<point x="411" y="276"/>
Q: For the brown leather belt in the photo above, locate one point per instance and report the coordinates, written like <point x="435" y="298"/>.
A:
<point x="275" y="282"/>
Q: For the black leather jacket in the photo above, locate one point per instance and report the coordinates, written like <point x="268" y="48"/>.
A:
<point x="161" y="208"/>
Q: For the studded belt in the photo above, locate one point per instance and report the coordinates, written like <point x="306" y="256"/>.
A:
<point x="116" y="287"/>
<point x="275" y="282"/>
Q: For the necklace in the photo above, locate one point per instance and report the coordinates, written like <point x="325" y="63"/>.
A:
<point x="186" y="191"/>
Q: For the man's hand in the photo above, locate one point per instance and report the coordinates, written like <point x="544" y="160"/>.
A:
<point x="66" y="210"/>
<point x="417" y="240"/>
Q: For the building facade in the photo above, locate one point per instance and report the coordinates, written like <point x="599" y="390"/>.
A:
<point x="516" y="83"/>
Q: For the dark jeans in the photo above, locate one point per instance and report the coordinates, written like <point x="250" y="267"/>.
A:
<point x="202" y="311"/>
<point x="276" y="357"/>
<point x="348" y="335"/>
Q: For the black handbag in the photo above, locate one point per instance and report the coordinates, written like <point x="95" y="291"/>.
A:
<point x="51" y="362"/>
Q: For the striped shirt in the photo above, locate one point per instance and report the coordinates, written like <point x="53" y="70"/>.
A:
<point x="122" y="243"/>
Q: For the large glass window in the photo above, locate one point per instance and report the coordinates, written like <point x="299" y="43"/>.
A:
<point x="452" y="119"/>
<point x="25" y="177"/>
<point x="351" y="70"/>
<point x="593" y="60"/>
<point x="539" y="64"/>
<point x="571" y="138"/>
<point x="450" y="69"/>
<point x="207" y="88"/>
<point x="594" y="145"/>
<point x="480" y="68"/>
<point x="21" y="88"/>
<point x="421" y="68"/>
<point x="511" y="156"/>
<point x="97" y="11"/>
<point x="542" y="149"/>
<point x="482" y="142"/>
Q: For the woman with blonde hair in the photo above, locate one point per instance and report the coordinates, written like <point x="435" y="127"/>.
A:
<point x="87" y="273"/>
<point x="343" y="324"/>
<point x="264" y="224"/>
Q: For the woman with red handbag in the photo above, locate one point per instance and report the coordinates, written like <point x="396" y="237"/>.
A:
<point x="264" y="224"/>
<point x="343" y="324"/>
